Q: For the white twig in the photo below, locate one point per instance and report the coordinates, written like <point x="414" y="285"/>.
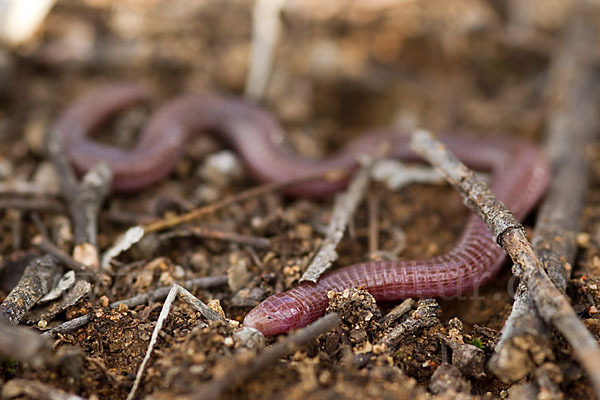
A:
<point x="189" y="298"/>
<point x="343" y="209"/>
<point x="265" y="31"/>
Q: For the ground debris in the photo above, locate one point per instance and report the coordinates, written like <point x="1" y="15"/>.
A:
<point x="360" y="317"/>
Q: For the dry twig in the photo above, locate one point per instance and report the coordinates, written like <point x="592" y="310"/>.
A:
<point x="173" y="221"/>
<point x="84" y="198"/>
<point x="210" y="233"/>
<point x="198" y="305"/>
<point x="155" y="295"/>
<point x="238" y="375"/>
<point x="38" y="278"/>
<point x="424" y="316"/>
<point x="552" y="305"/>
<point x="265" y="32"/>
<point x="343" y="209"/>
<point x="525" y="338"/>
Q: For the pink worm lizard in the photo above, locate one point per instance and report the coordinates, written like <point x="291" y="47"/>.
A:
<point x="519" y="169"/>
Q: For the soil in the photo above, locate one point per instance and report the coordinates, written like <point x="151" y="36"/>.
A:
<point x="339" y="69"/>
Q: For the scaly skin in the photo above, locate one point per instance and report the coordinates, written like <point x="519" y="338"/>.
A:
<point x="520" y="176"/>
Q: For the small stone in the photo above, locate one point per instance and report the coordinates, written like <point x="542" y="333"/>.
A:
<point x="6" y="168"/>
<point x="166" y="279"/>
<point x="446" y="379"/>
<point x="469" y="359"/>
<point x="87" y="254"/>
<point x="228" y="342"/>
<point x="304" y="231"/>
<point x="237" y="275"/>
<point x="249" y="337"/>
<point x="215" y="305"/>
<point x="379" y="349"/>
<point x="42" y="324"/>
<point x="104" y="302"/>
<point x="221" y="168"/>
<point x="248" y="297"/>
<point x="583" y="239"/>
<point x="46" y="177"/>
<point x="148" y="245"/>
<point x="199" y="262"/>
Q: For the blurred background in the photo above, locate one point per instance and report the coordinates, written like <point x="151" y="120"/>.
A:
<point x="337" y="67"/>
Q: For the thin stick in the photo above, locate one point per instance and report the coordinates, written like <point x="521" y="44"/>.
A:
<point x="424" y="316"/>
<point x="154" y="295"/>
<point x="552" y="305"/>
<point x="343" y="209"/>
<point x="238" y="374"/>
<point x="170" y="222"/>
<point x="266" y="25"/>
<point x="525" y="338"/>
<point x="198" y="305"/>
<point x="373" y="206"/>
<point x="159" y="323"/>
<point x="209" y="233"/>
<point x="84" y="199"/>
<point x="42" y="204"/>
<point x="44" y="244"/>
<point x="24" y="188"/>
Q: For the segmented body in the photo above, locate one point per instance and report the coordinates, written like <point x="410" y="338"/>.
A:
<point x="519" y="172"/>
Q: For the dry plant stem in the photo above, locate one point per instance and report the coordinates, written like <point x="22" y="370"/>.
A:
<point x="214" y="389"/>
<point x="25" y="388"/>
<point x="84" y="198"/>
<point x="573" y="124"/>
<point x="208" y="233"/>
<point x="38" y="278"/>
<point x="23" y="188"/>
<point x="164" y="313"/>
<point x="266" y="25"/>
<point x="44" y="244"/>
<point x="343" y="209"/>
<point x="171" y="222"/>
<point x="23" y="345"/>
<point x="398" y="311"/>
<point x="373" y="206"/>
<point x="424" y="316"/>
<point x="19" y="203"/>
<point x="157" y="294"/>
<point x="552" y="305"/>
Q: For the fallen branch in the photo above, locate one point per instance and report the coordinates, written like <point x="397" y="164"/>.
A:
<point x="552" y="305"/>
<point x="238" y="374"/>
<point x="525" y="340"/>
<point x="84" y="199"/>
